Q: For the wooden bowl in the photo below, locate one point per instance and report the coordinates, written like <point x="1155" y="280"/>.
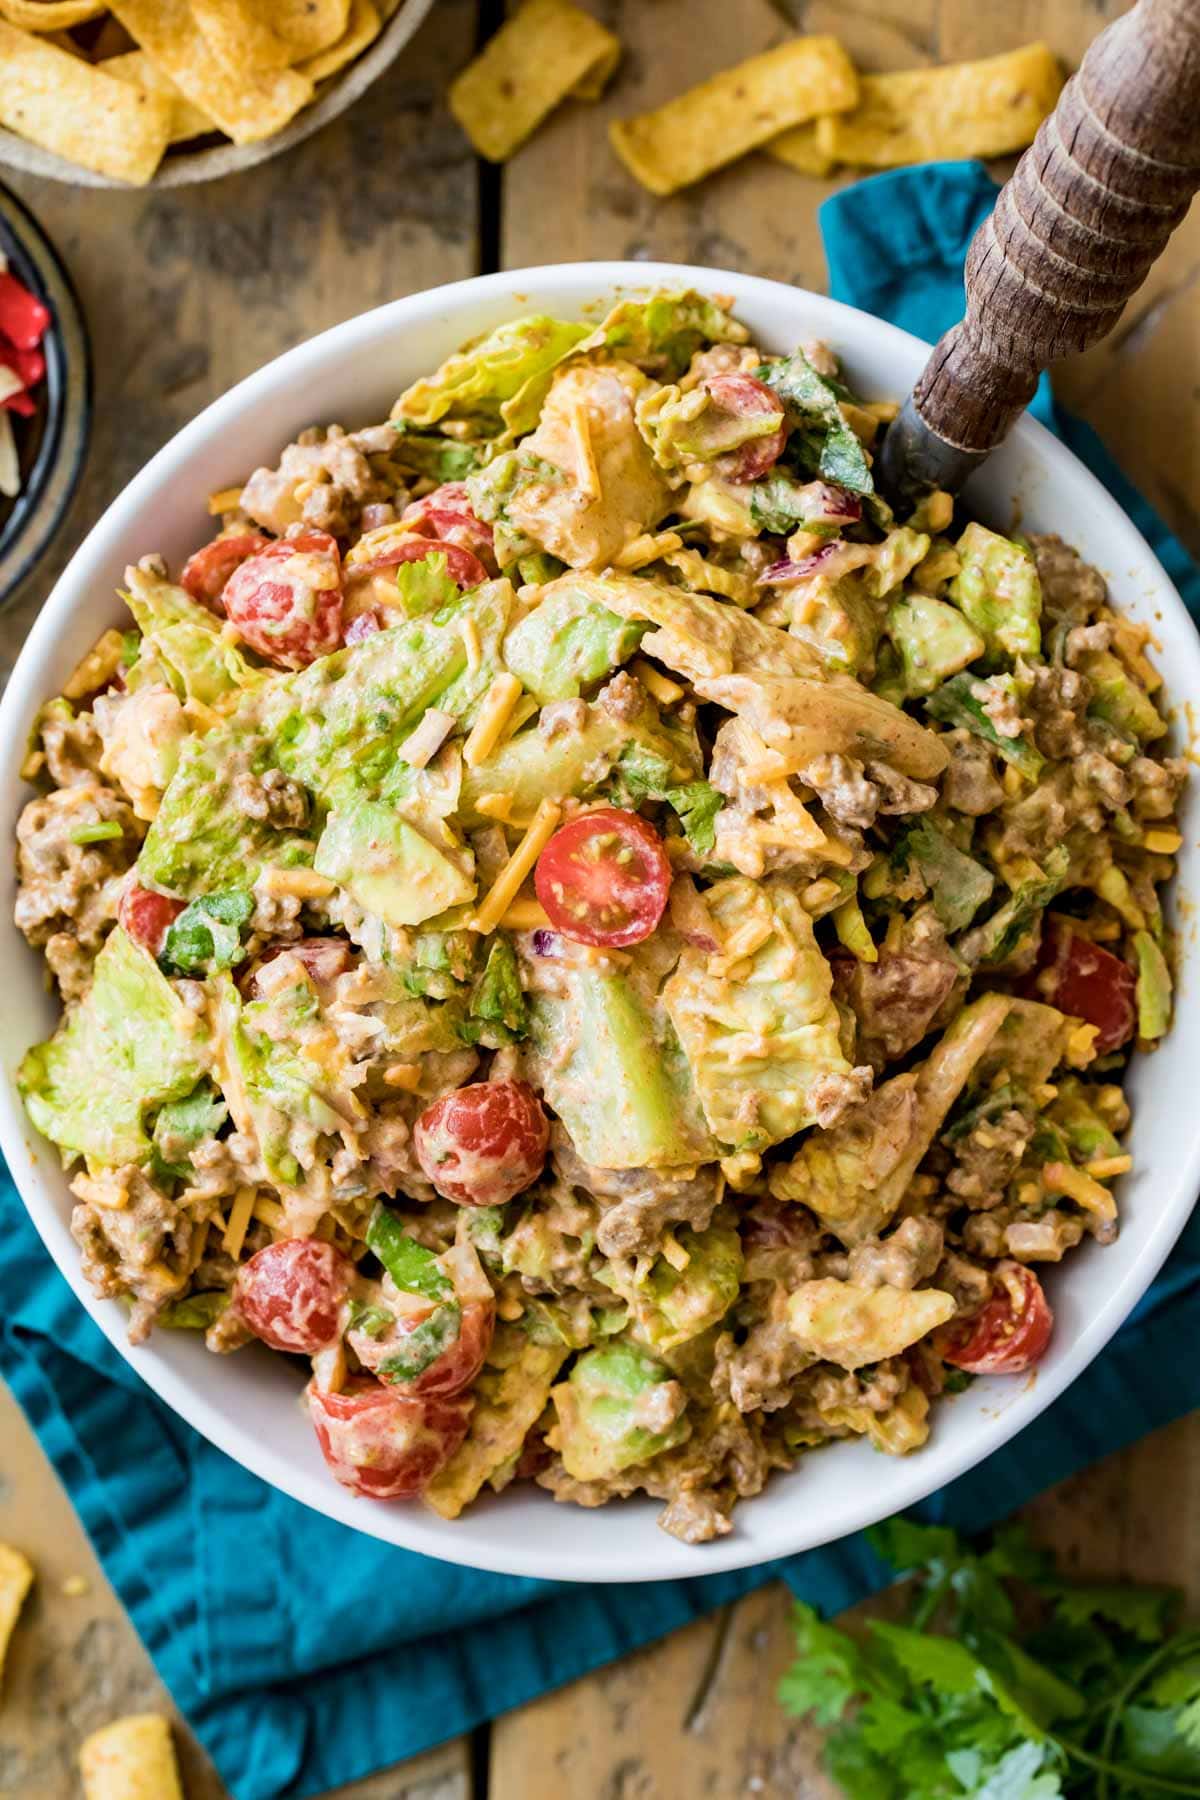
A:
<point x="179" y="168"/>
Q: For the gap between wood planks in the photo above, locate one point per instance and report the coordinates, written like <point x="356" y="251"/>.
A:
<point x="489" y="176"/>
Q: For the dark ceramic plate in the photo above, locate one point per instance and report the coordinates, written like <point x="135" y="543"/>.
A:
<point x="52" y="444"/>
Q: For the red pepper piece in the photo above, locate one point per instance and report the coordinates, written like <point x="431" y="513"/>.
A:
<point x="23" y="318"/>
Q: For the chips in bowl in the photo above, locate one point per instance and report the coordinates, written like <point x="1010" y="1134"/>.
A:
<point x="111" y="84"/>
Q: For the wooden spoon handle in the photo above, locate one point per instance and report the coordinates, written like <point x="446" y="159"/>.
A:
<point x="1074" y="232"/>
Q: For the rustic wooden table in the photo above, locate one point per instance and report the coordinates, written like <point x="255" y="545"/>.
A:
<point x="188" y="291"/>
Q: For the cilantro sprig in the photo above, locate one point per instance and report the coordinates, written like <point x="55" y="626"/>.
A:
<point x="1005" y="1683"/>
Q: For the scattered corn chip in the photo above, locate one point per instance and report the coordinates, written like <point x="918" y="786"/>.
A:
<point x="968" y="109"/>
<point x="246" y="105"/>
<point x="306" y="26"/>
<point x="16" y="1579"/>
<point x="736" y="111"/>
<point x="51" y="15"/>
<point x="800" y="150"/>
<point x="364" y="27"/>
<point x="67" y="106"/>
<point x="237" y="36"/>
<point x="187" y="121"/>
<point x="131" y="1759"/>
<point x="546" y="52"/>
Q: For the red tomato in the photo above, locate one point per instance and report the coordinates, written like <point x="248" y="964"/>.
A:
<point x="146" y="916"/>
<point x="604" y="878"/>
<point x="1007" y="1335"/>
<point x="482" y="1144"/>
<point x="454" y="1370"/>
<point x="743" y="396"/>
<point x="1088" y="982"/>
<point x="461" y="566"/>
<point x="287" y="600"/>
<point x="325" y="958"/>
<point x="447" y="514"/>
<point x="291" y="1294"/>
<point x="206" y="572"/>
<point x="386" y="1445"/>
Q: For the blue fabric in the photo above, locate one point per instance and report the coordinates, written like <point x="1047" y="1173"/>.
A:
<point x="296" y="1685"/>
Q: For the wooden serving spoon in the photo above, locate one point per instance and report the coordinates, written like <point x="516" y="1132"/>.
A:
<point x="1074" y="232"/>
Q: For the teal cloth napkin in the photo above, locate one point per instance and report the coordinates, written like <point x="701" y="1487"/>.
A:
<point x="305" y="1655"/>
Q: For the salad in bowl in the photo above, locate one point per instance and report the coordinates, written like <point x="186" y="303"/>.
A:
<point x="580" y="924"/>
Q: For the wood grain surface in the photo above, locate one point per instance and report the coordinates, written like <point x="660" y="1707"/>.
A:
<point x="186" y="293"/>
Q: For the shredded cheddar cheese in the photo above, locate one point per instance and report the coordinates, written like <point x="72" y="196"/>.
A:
<point x="469" y="632"/>
<point x="507" y="884"/>
<point x="1078" y="1185"/>
<point x="525" y="915"/>
<point x="305" y="884"/>
<point x="587" y="476"/>
<point x="647" y="547"/>
<point x="405" y="1075"/>
<point x="239" y="1222"/>
<point x="498" y="703"/>
<point x="224" y="500"/>
<point x="1163" y="843"/>
<point x="97" y="668"/>
<point x="659" y="686"/>
<point x="1106" y="1168"/>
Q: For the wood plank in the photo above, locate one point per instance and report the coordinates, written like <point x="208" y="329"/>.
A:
<point x="637" y="1731"/>
<point x="189" y="290"/>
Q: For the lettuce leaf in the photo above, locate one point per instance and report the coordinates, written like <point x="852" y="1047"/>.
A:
<point x="498" y="384"/>
<point x="821" y="442"/>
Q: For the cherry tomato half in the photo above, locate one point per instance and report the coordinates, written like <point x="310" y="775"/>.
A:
<point x="287" y="601"/>
<point x="604" y="878"/>
<point x="146" y="916"/>
<point x="451" y="1372"/>
<point x="386" y="1445"/>
<point x="461" y="566"/>
<point x="1011" y="1330"/>
<point x="744" y="396"/>
<point x="480" y="1145"/>
<point x="447" y="514"/>
<point x="206" y="573"/>
<point x="291" y="1294"/>
<point x="1088" y="982"/>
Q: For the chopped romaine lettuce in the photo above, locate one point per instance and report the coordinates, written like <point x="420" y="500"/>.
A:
<point x="1153" y="988"/>
<point x="761" y="1035"/>
<point x="118" y="1055"/>
<point x="499" y="383"/>
<point x="999" y="591"/>
<point x="600" y="1408"/>
<point x="497" y="1013"/>
<point x="958" y="885"/>
<point x="566" y="644"/>
<point x="856" y="1175"/>
<point x="662" y="334"/>
<point x="425" y="587"/>
<point x="957" y="703"/>
<point x="934" y="642"/>
<point x="992" y="942"/>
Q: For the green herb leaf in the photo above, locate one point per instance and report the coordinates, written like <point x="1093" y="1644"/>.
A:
<point x="207" y="934"/>
<point x="410" y="1265"/>
<point x="423" y="1345"/>
<point x="372" y="1321"/>
<point x="821" y="442"/>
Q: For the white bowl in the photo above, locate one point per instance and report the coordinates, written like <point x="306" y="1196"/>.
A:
<point x="247" y="1404"/>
